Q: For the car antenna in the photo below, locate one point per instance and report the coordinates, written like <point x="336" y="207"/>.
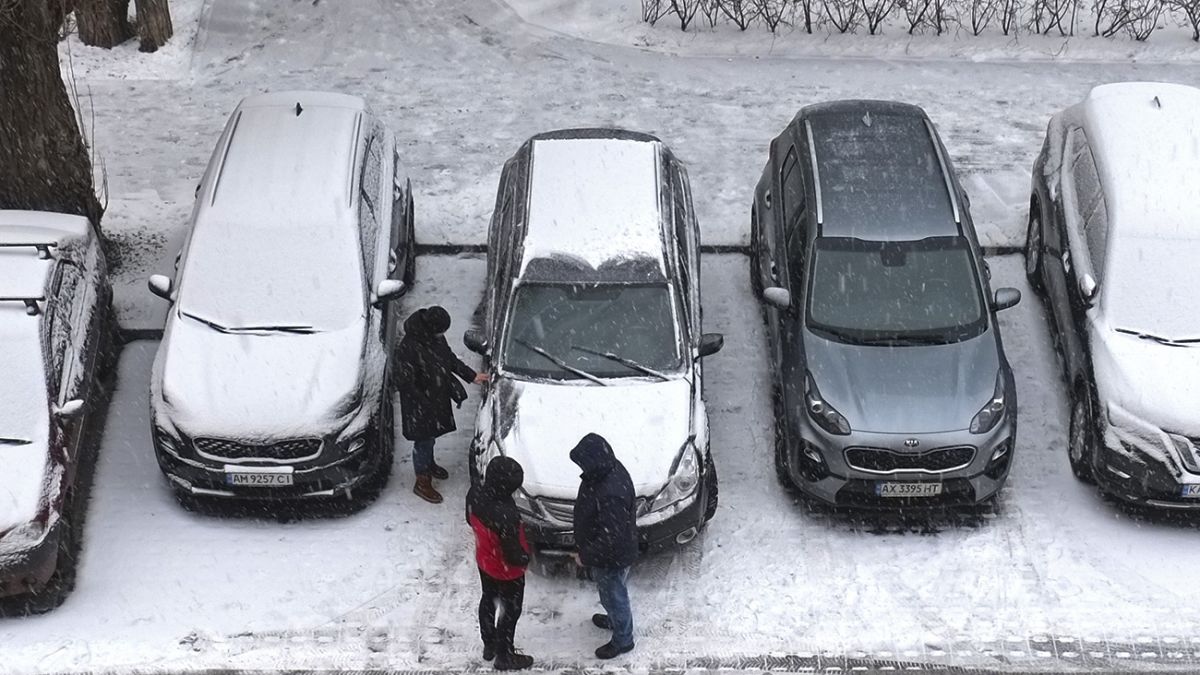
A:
<point x="298" y="109"/>
<point x="1157" y="103"/>
<point x="867" y="118"/>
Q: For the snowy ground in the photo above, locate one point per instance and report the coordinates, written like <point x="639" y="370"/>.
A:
<point x="394" y="586"/>
<point x="463" y="82"/>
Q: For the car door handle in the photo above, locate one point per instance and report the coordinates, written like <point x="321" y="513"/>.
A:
<point x="774" y="270"/>
<point x="392" y="261"/>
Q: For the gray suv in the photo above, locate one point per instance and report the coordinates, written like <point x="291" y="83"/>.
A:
<point x="891" y="384"/>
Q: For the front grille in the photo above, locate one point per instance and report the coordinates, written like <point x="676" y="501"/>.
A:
<point x="938" y="460"/>
<point x="563" y="510"/>
<point x="292" y="449"/>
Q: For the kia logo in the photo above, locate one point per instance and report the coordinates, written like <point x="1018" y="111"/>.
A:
<point x="911" y="442"/>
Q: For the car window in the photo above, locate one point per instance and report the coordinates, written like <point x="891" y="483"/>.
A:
<point x="1089" y="198"/>
<point x="370" y="210"/>
<point x="684" y="235"/>
<point x="793" y="187"/>
<point x="60" y="310"/>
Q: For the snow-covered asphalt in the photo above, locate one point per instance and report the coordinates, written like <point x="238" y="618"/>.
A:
<point x="768" y="584"/>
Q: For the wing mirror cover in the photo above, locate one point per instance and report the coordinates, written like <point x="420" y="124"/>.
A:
<point x="1088" y="287"/>
<point x="70" y="409"/>
<point x="710" y="343"/>
<point x="777" y="297"/>
<point x="475" y="341"/>
<point x="160" y="285"/>
<point x="1005" y="298"/>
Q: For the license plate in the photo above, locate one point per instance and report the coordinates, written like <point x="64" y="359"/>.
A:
<point x="908" y="489"/>
<point x="246" y="479"/>
<point x="1189" y="491"/>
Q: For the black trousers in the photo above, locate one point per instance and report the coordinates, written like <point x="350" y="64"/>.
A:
<point x="499" y="609"/>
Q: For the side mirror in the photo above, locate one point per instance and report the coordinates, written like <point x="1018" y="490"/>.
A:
<point x="69" y="409"/>
<point x="710" y="343"/>
<point x="777" y="297"/>
<point x="1005" y="298"/>
<point x="388" y="290"/>
<point x="160" y="285"/>
<point x="475" y="341"/>
<point x="1088" y="288"/>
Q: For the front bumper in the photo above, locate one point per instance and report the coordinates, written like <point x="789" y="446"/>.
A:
<point x="676" y="530"/>
<point x="320" y="477"/>
<point x="1135" y="476"/>
<point x="833" y="481"/>
<point x="29" y="570"/>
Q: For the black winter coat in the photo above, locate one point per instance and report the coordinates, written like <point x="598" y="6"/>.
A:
<point x="605" y="512"/>
<point x="492" y="503"/>
<point x="425" y="377"/>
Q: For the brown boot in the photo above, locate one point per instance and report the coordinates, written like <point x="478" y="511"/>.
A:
<point x="424" y="489"/>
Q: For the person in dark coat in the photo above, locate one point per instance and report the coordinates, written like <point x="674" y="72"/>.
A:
<point x="426" y="372"/>
<point x="502" y="554"/>
<point x="606" y="536"/>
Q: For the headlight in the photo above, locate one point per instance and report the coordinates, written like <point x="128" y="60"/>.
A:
<point x="166" y="440"/>
<point x="684" y="479"/>
<point x="485" y="456"/>
<point x="986" y="419"/>
<point x="524" y="502"/>
<point x="356" y="444"/>
<point x="821" y="412"/>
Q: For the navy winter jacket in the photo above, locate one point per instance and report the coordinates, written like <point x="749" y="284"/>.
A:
<point x="605" y="514"/>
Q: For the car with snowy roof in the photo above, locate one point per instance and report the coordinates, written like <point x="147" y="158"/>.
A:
<point x="591" y="323"/>
<point x="1113" y="239"/>
<point x="56" y="342"/>
<point x="271" y="380"/>
<point x="891" y="386"/>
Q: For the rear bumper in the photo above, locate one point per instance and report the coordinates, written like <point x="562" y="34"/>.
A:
<point x="29" y="570"/>
<point x="309" y="480"/>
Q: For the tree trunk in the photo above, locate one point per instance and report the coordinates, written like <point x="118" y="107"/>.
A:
<point x="103" y="23"/>
<point x="153" y="24"/>
<point x="44" y="163"/>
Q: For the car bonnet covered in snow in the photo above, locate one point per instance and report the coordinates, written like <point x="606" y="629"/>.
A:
<point x="593" y="201"/>
<point x="1146" y="142"/>
<point x="537" y="424"/>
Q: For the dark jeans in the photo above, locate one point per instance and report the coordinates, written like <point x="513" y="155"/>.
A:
<point x="507" y="597"/>
<point x="423" y="456"/>
<point x="614" y="596"/>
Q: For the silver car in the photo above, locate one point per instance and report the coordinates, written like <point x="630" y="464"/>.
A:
<point x="891" y="384"/>
<point x="591" y="323"/>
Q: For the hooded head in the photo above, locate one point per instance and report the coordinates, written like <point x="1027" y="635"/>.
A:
<point x="594" y="455"/>
<point x="503" y="476"/>
<point x="433" y="320"/>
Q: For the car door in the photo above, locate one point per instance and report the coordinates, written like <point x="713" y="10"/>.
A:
<point x="791" y="324"/>
<point x="790" y="204"/>
<point x="400" y="255"/>
<point x="1082" y="199"/>
<point x="68" y="332"/>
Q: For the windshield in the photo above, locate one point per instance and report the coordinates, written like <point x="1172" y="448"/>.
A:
<point x="1173" y="315"/>
<point x="895" y="292"/>
<point x="572" y="331"/>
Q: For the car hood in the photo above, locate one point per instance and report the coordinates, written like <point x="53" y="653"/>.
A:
<point x="1158" y="383"/>
<point x="905" y="390"/>
<point x="538" y="423"/>
<point x="259" y="386"/>
<point x="24" y="419"/>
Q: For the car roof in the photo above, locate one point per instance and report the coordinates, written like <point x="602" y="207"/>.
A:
<point x="1145" y="137"/>
<point x="594" y="201"/>
<point x="879" y="172"/>
<point x="28" y="240"/>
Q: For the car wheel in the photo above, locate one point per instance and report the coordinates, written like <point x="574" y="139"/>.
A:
<point x="385" y="439"/>
<point x="756" y="285"/>
<point x="410" y="263"/>
<point x="782" y="471"/>
<point x="63" y="579"/>
<point x="1033" y="250"/>
<point x="1079" y="443"/>
<point x="710" y="476"/>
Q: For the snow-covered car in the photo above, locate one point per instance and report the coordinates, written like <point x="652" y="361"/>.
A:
<point x="56" y="340"/>
<point x="591" y="322"/>
<point x="1114" y="236"/>
<point x="272" y="377"/>
<point x="891" y="387"/>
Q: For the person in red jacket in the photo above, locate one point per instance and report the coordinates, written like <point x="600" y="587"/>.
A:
<point x="502" y="554"/>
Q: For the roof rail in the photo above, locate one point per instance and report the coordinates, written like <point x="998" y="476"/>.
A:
<point x="937" y="146"/>
<point x="812" y="158"/>
<point x="43" y="247"/>
<point x="32" y="308"/>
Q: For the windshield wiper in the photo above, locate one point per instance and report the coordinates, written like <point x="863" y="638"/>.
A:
<point x="559" y="362"/>
<point x="14" y="441"/>
<point x="211" y="324"/>
<point x="1159" y="339"/>
<point x="628" y="363"/>
<point x="299" y="330"/>
<point x="904" y="340"/>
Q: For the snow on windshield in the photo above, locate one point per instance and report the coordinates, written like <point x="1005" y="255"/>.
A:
<point x="300" y="277"/>
<point x="592" y="327"/>
<point x="1151" y="287"/>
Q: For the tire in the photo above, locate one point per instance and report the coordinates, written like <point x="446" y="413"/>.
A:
<point x="410" y="264"/>
<point x="63" y="580"/>
<point x="1033" y="248"/>
<point x="385" y="435"/>
<point x="1080" y="438"/>
<point x="782" y="471"/>
<point x="710" y="476"/>
<point x="756" y="286"/>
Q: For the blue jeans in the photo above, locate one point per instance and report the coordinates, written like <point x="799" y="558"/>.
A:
<point x="614" y="597"/>
<point x="423" y="457"/>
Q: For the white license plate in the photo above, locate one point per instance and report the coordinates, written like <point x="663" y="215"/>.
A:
<point x="908" y="489"/>
<point x="243" y="479"/>
<point x="1189" y="491"/>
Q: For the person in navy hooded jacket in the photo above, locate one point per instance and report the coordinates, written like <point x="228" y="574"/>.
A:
<point x="502" y="554"/>
<point x="606" y="536"/>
